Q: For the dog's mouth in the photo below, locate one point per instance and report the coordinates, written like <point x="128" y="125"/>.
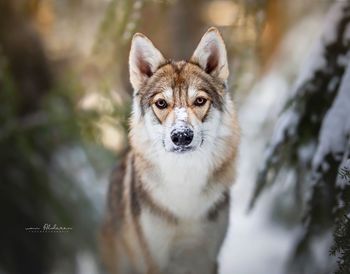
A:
<point x="182" y="149"/>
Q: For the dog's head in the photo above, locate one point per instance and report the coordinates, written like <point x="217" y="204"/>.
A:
<point x="179" y="105"/>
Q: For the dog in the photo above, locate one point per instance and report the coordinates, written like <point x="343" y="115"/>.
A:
<point x="168" y="203"/>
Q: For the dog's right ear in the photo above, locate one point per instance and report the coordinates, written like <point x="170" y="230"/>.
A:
<point x="144" y="59"/>
<point x="211" y="55"/>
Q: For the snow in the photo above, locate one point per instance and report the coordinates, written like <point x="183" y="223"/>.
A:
<point x="286" y="126"/>
<point x="251" y="237"/>
<point x="336" y="125"/>
<point x="254" y="244"/>
<point x="74" y="162"/>
<point x="316" y="59"/>
<point x="180" y="120"/>
<point x="344" y="173"/>
<point x="180" y="114"/>
<point x="289" y="120"/>
<point x="306" y="152"/>
<point x="86" y="263"/>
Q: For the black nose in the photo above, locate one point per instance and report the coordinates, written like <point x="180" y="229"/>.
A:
<point x="182" y="138"/>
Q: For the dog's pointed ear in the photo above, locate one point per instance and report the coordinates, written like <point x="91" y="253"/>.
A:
<point x="211" y="55"/>
<point x="144" y="59"/>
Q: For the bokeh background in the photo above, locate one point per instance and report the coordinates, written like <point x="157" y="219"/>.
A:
<point x="65" y="100"/>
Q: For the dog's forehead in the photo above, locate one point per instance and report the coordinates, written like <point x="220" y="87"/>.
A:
<point x="181" y="75"/>
<point x="179" y="81"/>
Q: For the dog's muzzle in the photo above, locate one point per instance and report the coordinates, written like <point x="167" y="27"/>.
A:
<point x="182" y="137"/>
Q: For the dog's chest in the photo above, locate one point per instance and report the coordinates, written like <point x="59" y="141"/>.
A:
<point x="184" y="188"/>
<point x="166" y="241"/>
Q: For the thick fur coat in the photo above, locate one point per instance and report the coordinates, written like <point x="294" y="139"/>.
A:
<point x="168" y="203"/>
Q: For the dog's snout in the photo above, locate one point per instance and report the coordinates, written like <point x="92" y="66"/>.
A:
<point x="182" y="137"/>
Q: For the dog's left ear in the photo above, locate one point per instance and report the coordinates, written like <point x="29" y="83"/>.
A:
<point x="144" y="59"/>
<point x="211" y="55"/>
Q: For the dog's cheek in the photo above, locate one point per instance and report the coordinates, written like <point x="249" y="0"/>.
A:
<point x="211" y="124"/>
<point x="136" y="110"/>
<point x="167" y="127"/>
<point x="153" y="128"/>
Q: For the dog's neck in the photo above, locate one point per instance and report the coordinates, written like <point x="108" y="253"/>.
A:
<point x="182" y="183"/>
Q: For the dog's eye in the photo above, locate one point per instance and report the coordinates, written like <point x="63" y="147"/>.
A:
<point x="200" y="101"/>
<point x="161" y="104"/>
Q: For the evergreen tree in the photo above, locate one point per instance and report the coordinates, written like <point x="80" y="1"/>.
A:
<point x="311" y="140"/>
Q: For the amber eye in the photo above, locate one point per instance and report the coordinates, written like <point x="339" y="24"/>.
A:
<point x="161" y="104"/>
<point x="200" y="101"/>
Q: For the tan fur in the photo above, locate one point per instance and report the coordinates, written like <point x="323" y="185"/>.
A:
<point x="133" y="204"/>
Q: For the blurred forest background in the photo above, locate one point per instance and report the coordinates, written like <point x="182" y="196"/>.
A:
<point x="65" y="100"/>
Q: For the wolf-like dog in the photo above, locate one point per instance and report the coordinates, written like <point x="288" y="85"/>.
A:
<point x="167" y="206"/>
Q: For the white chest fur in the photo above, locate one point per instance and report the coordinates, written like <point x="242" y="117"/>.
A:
<point x="186" y="245"/>
<point x="182" y="185"/>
